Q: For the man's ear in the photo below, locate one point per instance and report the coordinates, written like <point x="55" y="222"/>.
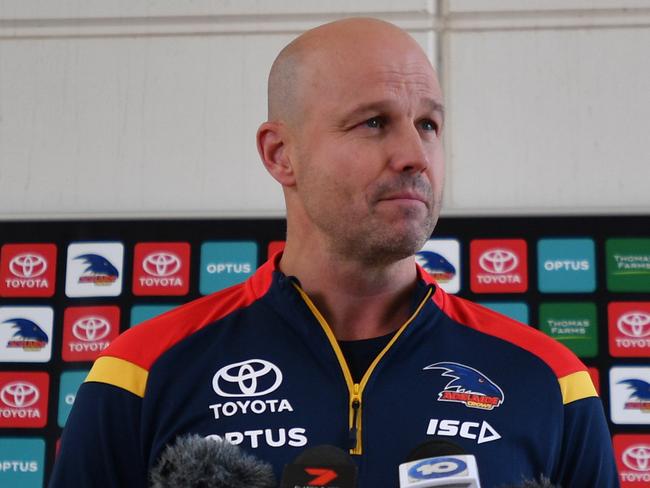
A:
<point x="273" y="151"/>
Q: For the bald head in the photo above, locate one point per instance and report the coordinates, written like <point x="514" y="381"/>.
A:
<point x="319" y="54"/>
<point x="354" y="138"/>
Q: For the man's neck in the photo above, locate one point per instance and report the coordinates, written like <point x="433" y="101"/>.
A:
<point x="359" y="301"/>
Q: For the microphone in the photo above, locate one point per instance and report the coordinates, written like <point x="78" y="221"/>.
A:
<point x="196" y="462"/>
<point x="320" y="466"/>
<point x="439" y="463"/>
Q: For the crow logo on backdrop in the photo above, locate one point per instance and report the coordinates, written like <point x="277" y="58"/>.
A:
<point x="28" y="335"/>
<point x="640" y="392"/>
<point x="436" y="265"/>
<point x="468" y="386"/>
<point x="99" y="270"/>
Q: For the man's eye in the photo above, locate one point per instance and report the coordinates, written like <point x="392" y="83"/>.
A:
<point x="375" y="123"/>
<point x="429" y="125"/>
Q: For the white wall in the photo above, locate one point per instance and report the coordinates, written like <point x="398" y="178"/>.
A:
<point x="149" y="108"/>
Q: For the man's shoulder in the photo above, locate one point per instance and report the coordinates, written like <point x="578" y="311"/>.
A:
<point x="570" y="372"/>
<point x="144" y="343"/>
<point x="127" y="361"/>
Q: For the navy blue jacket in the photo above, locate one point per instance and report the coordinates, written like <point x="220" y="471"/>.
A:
<point x="258" y="365"/>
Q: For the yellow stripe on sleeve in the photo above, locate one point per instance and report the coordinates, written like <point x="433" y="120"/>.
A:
<point x="576" y="386"/>
<point x="120" y="373"/>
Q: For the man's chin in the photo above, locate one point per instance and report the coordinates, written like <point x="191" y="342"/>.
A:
<point x="395" y="247"/>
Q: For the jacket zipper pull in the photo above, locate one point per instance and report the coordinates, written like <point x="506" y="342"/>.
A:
<point x="352" y="436"/>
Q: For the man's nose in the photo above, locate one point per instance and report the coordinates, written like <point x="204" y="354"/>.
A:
<point x="408" y="150"/>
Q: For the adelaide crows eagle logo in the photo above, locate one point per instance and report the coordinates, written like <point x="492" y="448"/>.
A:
<point x="98" y="271"/>
<point x="640" y="392"/>
<point x="27" y="336"/>
<point x="468" y="386"/>
<point x="436" y="265"/>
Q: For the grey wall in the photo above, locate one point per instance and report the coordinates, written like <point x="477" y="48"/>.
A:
<point x="134" y="108"/>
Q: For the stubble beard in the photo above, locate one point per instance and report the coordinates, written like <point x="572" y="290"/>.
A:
<point x="374" y="241"/>
<point x="379" y="244"/>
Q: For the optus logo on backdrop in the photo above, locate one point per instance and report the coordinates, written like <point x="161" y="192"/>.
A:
<point x="566" y="265"/>
<point x="224" y="264"/>
<point x="22" y="462"/>
<point x="161" y="268"/>
<point x="498" y="266"/>
<point x="87" y="331"/>
<point x="629" y="329"/>
<point x="28" y="270"/>
<point x="23" y="399"/>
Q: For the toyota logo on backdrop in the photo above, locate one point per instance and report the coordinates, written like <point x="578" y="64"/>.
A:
<point x="498" y="261"/>
<point x="254" y="377"/>
<point x="637" y="457"/>
<point x="89" y="329"/>
<point x="161" y="264"/>
<point x="634" y="324"/>
<point x="19" y="394"/>
<point x="28" y="265"/>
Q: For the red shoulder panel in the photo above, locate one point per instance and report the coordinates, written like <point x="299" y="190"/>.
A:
<point x="558" y="357"/>
<point x="143" y="344"/>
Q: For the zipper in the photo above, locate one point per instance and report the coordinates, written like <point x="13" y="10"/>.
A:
<point x="355" y="420"/>
<point x="355" y="390"/>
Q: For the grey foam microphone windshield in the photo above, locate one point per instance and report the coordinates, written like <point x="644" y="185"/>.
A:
<point x="320" y="466"/>
<point x="193" y="461"/>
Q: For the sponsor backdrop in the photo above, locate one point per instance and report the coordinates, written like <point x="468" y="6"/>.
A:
<point x="67" y="289"/>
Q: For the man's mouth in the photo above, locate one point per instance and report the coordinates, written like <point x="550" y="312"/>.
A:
<point x="405" y="197"/>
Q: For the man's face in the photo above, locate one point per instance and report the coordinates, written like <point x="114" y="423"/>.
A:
<point x="367" y="155"/>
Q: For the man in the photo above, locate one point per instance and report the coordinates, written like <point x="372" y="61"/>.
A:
<point x="342" y="339"/>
